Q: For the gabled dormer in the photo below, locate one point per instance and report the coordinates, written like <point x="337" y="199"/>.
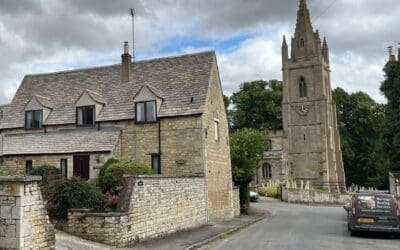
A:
<point x="88" y="106"/>
<point x="37" y="109"/>
<point x="148" y="102"/>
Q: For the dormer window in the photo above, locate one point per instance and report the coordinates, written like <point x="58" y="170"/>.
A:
<point x="85" y="116"/>
<point x="145" y="111"/>
<point x="33" y="119"/>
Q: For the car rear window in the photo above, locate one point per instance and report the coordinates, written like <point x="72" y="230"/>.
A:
<point x="375" y="203"/>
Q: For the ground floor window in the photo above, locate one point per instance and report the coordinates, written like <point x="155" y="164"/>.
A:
<point x="81" y="166"/>
<point x="267" y="171"/>
<point x="156" y="163"/>
<point x="28" y="166"/>
<point x="64" y="167"/>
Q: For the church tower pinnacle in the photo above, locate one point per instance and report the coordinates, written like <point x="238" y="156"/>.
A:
<point x="306" y="43"/>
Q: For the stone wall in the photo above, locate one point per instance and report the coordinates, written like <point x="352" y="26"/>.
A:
<point x="149" y="207"/>
<point x="236" y="201"/>
<point x="293" y="195"/>
<point x="24" y="223"/>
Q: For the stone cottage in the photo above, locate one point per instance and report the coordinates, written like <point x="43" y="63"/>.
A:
<point x="308" y="147"/>
<point x="167" y="113"/>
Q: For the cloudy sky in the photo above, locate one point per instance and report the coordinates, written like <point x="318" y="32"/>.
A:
<point x="39" y="36"/>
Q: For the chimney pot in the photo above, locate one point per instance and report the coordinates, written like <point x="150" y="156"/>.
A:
<point x="126" y="48"/>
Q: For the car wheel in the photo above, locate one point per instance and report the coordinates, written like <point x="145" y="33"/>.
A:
<point x="353" y="233"/>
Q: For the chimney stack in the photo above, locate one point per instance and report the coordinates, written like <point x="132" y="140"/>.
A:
<point x="392" y="57"/>
<point x="126" y="63"/>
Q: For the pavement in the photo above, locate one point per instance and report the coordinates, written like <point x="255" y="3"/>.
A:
<point x="297" y="227"/>
<point x="190" y="239"/>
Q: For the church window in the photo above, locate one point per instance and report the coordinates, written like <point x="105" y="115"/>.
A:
<point x="302" y="87"/>
<point x="302" y="43"/>
<point x="267" y="170"/>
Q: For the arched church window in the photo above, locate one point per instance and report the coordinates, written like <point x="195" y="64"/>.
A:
<point x="267" y="171"/>
<point x="302" y="43"/>
<point x="302" y="87"/>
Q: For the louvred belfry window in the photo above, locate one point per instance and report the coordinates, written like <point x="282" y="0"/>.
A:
<point x="302" y="87"/>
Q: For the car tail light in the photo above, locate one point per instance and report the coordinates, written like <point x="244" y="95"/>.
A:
<point x="353" y="209"/>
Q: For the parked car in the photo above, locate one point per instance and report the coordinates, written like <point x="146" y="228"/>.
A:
<point x="254" y="196"/>
<point x="373" y="212"/>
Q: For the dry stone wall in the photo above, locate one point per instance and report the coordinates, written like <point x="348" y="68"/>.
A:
<point x="24" y="223"/>
<point x="293" y="195"/>
<point x="149" y="207"/>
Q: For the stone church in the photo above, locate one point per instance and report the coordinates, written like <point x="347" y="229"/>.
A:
<point x="308" y="147"/>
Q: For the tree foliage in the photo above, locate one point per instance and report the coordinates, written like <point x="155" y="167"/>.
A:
<point x="257" y="105"/>
<point x="391" y="89"/>
<point x="360" y="121"/>
<point x="247" y="147"/>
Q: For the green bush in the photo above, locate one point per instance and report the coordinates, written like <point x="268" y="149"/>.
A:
<point x="110" y="180"/>
<point x="64" y="194"/>
<point x="106" y="165"/>
<point x="48" y="173"/>
<point x="3" y="172"/>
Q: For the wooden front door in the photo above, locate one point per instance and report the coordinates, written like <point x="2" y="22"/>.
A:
<point x="81" y="166"/>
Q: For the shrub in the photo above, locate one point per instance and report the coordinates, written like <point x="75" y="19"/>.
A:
<point x="3" y="172"/>
<point x="106" y="165"/>
<point x="262" y="191"/>
<point x="272" y="192"/>
<point x="48" y="173"/>
<point x="111" y="178"/>
<point x="64" y="194"/>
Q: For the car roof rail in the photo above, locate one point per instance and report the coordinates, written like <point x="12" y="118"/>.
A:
<point x="373" y="192"/>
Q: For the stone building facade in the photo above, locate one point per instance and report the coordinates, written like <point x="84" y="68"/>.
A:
<point x="310" y="142"/>
<point x="167" y="113"/>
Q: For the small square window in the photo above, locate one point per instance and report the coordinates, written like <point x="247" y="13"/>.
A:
<point x="85" y="116"/>
<point x="33" y="119"/>
<point x="146" y="111"/>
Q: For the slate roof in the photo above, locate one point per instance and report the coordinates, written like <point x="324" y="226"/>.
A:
<point x="175" y="79"/>
<point x="60" y="142"/>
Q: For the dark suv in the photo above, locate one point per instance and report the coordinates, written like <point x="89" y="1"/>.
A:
<point x="373" y="211"/>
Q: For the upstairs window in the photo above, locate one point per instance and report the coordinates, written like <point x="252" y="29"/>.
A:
<point x="85" y="116"/>
<point x="302" y="87"/>
<point x="33" y="119"/>
<point x="146" y="111"/>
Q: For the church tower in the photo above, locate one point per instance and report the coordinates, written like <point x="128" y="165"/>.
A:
<point x="309" y="113"/>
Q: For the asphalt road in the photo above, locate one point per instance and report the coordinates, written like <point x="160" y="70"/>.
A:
<point x="294" y="226"/>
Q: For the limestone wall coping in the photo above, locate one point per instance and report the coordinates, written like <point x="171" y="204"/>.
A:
<point x="200" y="175"/>
<point x="89" y="212"/>
<point x="20" y="178"/>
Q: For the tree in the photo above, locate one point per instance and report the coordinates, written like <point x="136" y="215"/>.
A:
<point x="391" y="89"/>
<point x="247" y="148"/>
<point x="360" y="121"/>
<point x="257" y="105"/>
